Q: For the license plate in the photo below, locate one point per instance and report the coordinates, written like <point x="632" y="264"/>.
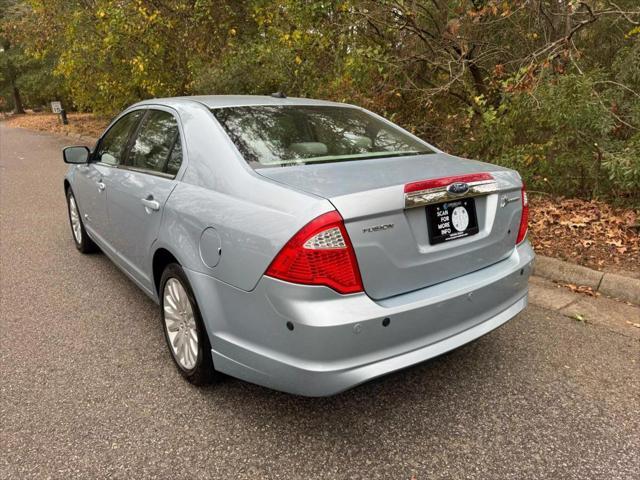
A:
<point x="452" y="220"/>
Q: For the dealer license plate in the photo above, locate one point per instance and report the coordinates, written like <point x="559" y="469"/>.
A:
<point x="452" y="220"/>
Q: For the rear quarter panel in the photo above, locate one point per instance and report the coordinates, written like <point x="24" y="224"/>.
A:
<point x="251" y="230"/>
<point x="252" y="216"/>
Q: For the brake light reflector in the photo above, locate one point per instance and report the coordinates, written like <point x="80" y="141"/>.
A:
<point x="321" y="253"/>
<point x="524" y="218"/>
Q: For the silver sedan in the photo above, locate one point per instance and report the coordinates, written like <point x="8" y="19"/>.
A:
<point x="303" y="245"/>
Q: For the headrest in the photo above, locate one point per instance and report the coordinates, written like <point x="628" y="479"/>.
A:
<point x="309" y="149"/>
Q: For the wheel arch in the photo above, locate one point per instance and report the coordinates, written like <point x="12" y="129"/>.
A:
<point x="161" y="258"/>
<point x="67" y="186"/>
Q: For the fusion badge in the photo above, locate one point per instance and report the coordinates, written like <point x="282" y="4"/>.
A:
<point x="377" y="228"/>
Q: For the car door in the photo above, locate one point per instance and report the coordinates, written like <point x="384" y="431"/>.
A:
<point x="90" y="180"/>
<point x="138" y="190"/>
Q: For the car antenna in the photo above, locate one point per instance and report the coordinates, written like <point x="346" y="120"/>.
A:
<point x="278" y="95"/>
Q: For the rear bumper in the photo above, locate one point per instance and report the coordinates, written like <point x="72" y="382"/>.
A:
<point x="338" y="341"/>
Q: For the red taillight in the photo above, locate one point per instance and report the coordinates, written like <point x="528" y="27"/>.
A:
<point x="524" y="218"/>
<point x="319" y="254"/>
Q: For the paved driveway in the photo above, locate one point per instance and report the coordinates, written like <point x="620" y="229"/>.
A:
<point x="88" y="388"/>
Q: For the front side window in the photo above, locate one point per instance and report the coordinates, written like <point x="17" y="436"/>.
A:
<point x="111" y="147"/>
<point x="294" y="135"/>
<point x="157" y="145"/>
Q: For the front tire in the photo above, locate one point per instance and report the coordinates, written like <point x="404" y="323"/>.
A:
<point x="79" y="234"/>
<point x="184" y="330"/>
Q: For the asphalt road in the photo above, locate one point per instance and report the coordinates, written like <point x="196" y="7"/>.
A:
<point x="88" y="388"/>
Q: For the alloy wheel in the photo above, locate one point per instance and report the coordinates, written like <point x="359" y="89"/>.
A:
<point x="76" y="226"/>
<point x="180" y="324"/>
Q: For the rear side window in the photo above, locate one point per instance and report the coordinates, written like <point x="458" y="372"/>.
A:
<point x="175" y="158"/>
<point x="111" y="148"/>
<point x="157" y="147"/>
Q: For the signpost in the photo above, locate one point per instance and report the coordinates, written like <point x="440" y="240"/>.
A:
<point x="56" y="107"/>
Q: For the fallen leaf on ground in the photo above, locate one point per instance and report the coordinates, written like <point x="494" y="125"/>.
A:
<point x="580" y="289"/>
<point x="590" y="233"/>
<point x="79" y="123"/>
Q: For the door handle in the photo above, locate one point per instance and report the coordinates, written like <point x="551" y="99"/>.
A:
<point x="150" y="204"/>
<point x="101" y="186"/>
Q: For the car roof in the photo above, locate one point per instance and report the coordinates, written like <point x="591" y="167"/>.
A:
<point x="219" y="101"/>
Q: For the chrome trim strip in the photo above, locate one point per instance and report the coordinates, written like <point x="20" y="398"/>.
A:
<point x="440" y="194"/>
<point x="137" y="170"/>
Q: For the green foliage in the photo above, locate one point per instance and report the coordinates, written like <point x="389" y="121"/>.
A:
<point x="550" y="87"/>
<point x="124" y="56"/>
<point x="555" y="135"/>
<point x="27" y="72"/>
<point x="623" y="166"/>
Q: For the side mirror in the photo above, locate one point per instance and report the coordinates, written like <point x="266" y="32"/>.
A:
<point x="76" y="155"/>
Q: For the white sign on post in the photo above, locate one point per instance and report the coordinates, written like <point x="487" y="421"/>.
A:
<point x="56" y="107"/>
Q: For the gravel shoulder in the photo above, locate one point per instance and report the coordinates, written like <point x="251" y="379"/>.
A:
<point x="88" y="390"/>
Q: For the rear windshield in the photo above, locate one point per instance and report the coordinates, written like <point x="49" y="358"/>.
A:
<point x="295" y="135"/>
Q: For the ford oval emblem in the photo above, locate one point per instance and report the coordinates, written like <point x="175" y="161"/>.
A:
<point x="458" y="188"/>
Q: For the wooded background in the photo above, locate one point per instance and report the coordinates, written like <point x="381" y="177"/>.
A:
<point x="550" y="87"/>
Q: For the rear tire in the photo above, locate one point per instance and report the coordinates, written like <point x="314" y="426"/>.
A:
<point x="80" y="238"/>
<point x="184" y="331"/>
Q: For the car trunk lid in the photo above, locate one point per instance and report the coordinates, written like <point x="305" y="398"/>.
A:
<point x="383" y="203"/>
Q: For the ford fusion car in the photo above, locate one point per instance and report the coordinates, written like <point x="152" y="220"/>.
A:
<point x="303" y="245"/>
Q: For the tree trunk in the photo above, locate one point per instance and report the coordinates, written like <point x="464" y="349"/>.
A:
<point x="17" y="100"/>
<point x="478" y="81"/>
<point x="596" y="187"/>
